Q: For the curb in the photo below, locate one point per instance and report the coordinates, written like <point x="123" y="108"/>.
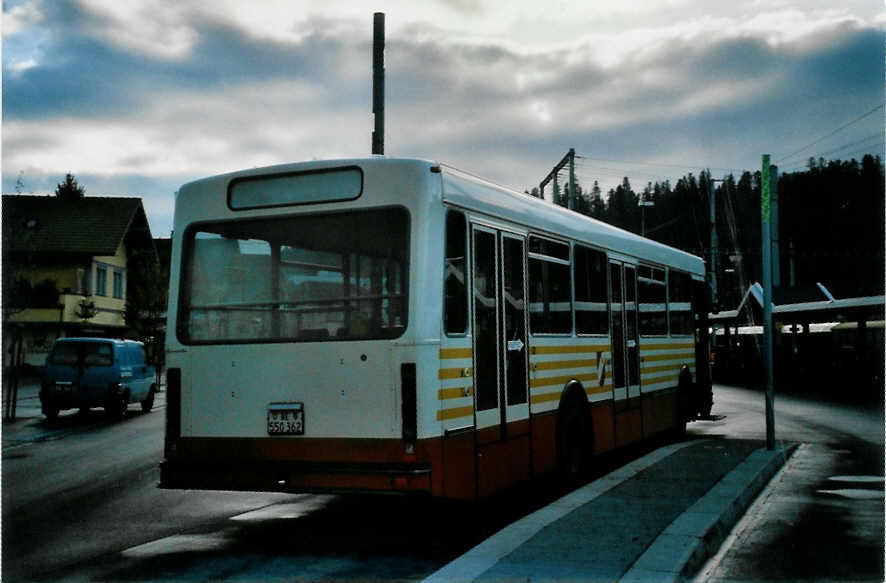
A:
<point x="696" y="535"/>
<point x="485" y="555"/>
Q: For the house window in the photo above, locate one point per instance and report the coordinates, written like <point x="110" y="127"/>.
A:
<point x="101" y="280"/>
<point x="118" y="285"/>
<point x="82" y="283"/>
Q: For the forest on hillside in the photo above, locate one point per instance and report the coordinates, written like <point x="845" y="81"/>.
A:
<point x="831" y="225"/>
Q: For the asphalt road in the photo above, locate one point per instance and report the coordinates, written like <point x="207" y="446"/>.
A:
<point x="822" y="517"/>
<point x="81" y="503"/>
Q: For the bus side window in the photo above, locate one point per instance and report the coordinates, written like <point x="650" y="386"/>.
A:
<point x="680" y="303"/>
<point x="455" y="305"/>
<point x="653" y="307"/>
<point x="591" y="301"/>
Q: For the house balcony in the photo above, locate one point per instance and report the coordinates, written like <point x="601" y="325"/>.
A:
<point x="108" y="312"/>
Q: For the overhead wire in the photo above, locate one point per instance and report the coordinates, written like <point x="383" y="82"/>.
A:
<point x="831" y="133"/>
<point x="874" y="138"/>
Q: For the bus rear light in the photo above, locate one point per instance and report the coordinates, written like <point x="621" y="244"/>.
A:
<point x="173" y="408"/>
<point x="408" y="403"/>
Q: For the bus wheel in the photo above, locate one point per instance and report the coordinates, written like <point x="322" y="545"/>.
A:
<point x="148" y="403"/>
<point x="686" y="405"/>
<point x="51" y="412"/>
<point x="572" y="442"/>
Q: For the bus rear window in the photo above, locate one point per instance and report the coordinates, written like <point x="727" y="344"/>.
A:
<point x="332" y="276"/>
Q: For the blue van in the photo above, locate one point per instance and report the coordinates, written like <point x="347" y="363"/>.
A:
<point x="96" y="372"/>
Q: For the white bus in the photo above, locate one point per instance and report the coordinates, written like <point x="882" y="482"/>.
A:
<point x="398" y="325"/>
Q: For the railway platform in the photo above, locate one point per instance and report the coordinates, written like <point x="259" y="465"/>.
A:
<point x="656" y="519"/>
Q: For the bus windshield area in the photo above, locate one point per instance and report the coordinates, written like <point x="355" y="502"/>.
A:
<point x="313" y="277"/>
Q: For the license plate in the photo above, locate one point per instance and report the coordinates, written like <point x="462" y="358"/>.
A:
<point x="63" y="387"/>
<point x="286" y="419"/>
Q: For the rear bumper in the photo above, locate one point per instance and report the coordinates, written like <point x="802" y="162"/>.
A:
<point x="279" y="464"/>
<point x="74" y="397"/>
<point x="289" y="476"/>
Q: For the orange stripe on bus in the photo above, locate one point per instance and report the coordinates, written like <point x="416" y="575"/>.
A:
<point x="444" y="414"/>
<point x="454" y="373"/>
<point x="455" y="393"/>
<point x="456" y="353"/>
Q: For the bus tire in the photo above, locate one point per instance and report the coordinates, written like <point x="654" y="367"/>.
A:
<point x="51" y="412"/>
<point x="687" y="406"/>
<point x="573" y="442"/>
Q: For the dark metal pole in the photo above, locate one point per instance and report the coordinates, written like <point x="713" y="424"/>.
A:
<point x="571" y="154"/>
<point x="378" y="83"/>
<point x="765" y="215"/>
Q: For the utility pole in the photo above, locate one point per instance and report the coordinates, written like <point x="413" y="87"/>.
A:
<point x="571" y="201"/>
<point x="378" y="82"/>
<point x="715" y="298"/>
<point x="766" y="248"/>
<point x="569" y="158"/>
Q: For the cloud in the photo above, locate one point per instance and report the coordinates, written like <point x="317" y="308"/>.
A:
<point x="227" y="91"/>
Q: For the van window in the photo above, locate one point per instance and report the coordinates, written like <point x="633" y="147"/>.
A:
<point x="87" y="353"/>
<point x="64" y="354"/>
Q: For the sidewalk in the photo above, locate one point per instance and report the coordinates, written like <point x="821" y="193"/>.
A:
<point x="656" y="519"/>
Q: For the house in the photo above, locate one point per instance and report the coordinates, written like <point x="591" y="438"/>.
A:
<point x="67" y="266"/>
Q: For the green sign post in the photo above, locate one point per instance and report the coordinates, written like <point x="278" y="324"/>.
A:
<point x="766" y="249"/>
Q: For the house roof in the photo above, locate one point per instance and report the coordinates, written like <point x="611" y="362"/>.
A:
<point x="91" y="225"/>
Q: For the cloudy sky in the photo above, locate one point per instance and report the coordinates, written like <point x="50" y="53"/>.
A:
<point x="137" y="97"/>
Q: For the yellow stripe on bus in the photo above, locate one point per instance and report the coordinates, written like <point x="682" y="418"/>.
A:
<point x="544" y="398"/>
<point x="444" y="414"/>
<point x="561" y="380"/>
<point x="455" y="393"/>
<point x="568" y="349"/>
<point x="456" y="353"/>
<point x="667" y="356"/>
<point x="454" y="373"/>
<point x="660" y="380"/>
<point x="661" y="368"/>
<point x="583" y="363"/>
<point x="671" y="346"/>
<point x="596" y="390"/>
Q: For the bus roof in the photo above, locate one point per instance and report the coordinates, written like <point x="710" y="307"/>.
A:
<point x="470" y="192"/>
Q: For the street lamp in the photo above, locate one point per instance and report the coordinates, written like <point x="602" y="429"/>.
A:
<point x="643" y="204"/>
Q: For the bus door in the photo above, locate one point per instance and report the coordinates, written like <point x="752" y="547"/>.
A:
<point x="501" y="400"/>
<point x="625" y="353"/>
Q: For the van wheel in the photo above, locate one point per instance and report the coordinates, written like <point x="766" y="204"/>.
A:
<point x="117" y="405"/>
<point x="51" y="412"/>
<point x="148" y="403"/>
